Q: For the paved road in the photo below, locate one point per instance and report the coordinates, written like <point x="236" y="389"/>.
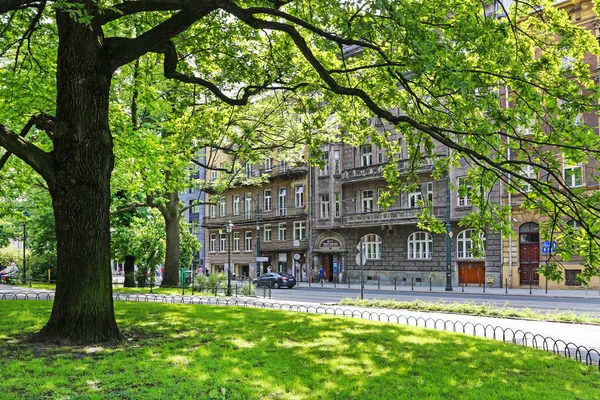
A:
<point x="589" y="304"/>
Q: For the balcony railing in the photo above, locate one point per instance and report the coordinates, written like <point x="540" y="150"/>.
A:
<point x="275" y="214"/>
<point x="408" y="215"/>
<point x="376" y="170"/>
<point x="282" y="171"/>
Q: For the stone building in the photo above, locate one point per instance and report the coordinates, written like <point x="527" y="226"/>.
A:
<point x="346" y="194"/>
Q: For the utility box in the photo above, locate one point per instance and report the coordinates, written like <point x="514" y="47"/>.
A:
<point x="185" y="277"/>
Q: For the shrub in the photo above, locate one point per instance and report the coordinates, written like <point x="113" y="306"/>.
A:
<point x="210" y="283"/>
<point x="248" y="289"/>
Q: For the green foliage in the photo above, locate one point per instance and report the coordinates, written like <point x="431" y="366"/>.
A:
<point x="212" y="282"/>
<point x="11" y="253"/>
<point x="189" y="351"/>
<point x="188" y="245"/>
<point x="248" y="289"/>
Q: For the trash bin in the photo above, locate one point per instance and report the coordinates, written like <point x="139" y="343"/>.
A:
<point x="184" y="273"/>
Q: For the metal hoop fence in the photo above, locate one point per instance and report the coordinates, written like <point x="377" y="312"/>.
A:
<point x="589" y="356"/>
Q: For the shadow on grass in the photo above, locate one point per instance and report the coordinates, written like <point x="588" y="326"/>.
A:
<point x="182" y="351"/>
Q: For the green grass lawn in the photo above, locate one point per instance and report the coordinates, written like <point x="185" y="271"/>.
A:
<point x="178" y="351"/>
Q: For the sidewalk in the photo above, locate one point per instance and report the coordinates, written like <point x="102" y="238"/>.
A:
<point x="471" y="289"/>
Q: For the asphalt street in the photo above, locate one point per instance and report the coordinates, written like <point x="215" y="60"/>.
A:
<point x="315" y="294"/>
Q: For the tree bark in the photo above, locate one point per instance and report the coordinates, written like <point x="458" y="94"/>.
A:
<point x="128" y="271"/>
<point x="170" y="213"/>
<point x="83" y="307"/>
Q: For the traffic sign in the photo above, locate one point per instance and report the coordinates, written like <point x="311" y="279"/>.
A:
<point x="358" y="259"/>
<point x="548" y="247"/>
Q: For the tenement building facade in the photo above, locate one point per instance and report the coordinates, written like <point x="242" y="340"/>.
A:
<point x="267" y="215"/>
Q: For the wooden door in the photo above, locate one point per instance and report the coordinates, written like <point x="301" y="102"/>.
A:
<point x="471" y="273"/>
<point x="529" y="261"/>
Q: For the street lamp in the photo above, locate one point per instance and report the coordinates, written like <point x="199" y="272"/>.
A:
<point x="229" y="226"/>
<point x="25" y="215"/>
<point x="448" y="237"/>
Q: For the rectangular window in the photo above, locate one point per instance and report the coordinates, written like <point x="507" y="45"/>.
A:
<point x="299" y="230"/>
<point x="247" y="205"/>
<point x="283" y="166"/>
<point x="267" y="230"/>
<point x="281" y="232"/>
<point x="267" y="200"/>
<point x="222" y="243"/>
<point x="367" y="200"/>
<point x="248" y="168"/>
<point x="325" y="170"/>
<point x="380" y="155"/>
<point x="213" y="176"/>
<point x="572" y="173"/>
<point x="324" y="206"/>
<point x="571" y="277"/>
<point x="379" y="191"/>
<point x="413" y="199"/>
<point x="235" y="204"/>
<point x="195" y="227"/>
<point x="248" y="243"/>
<point x="236" y="241"/>
<point x="212" y="247"/>
<point x="282" y="202"/>
<point x="430" y="193"/>
<point x="212" y="210"/>
<point x="529" y="173"/>
<point x="366" y="155"/>
<point x="222" y="207"/>
<point x="268" y="164"/>
<point x="338" y="205"/>
<point x="336" y="162"/>
<point x="299" y="196"/>
<point x="462" y="191"/>
<point x="195" y="208"/>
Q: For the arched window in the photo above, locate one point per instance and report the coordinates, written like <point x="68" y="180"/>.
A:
<point x="419" y="245"/>
<point x="529" y="233"/>
<point x="372" y="247"/>
<point x="464" y="244"/>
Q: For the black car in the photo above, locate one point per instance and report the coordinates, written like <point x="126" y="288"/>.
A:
<point x="276" y="280"/>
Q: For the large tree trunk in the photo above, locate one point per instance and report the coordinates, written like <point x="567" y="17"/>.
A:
<point x="83" y="308"/>
<point x="170" y="213"/>
<point x="129" y="271"/>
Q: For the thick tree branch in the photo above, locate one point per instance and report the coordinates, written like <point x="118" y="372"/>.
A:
<point x="125" y="50"/>
<point x="9" y="5"/>
<point x="132" y="207"/>
<point x="36" y="158"/>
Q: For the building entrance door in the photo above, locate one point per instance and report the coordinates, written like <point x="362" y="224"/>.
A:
<point x="471" y="272"/>
<point x="529" y="254"/>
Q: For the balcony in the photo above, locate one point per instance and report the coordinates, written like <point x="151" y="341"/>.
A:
<point x="375" y="171"/>
<point x="272" y="216"/>
<point x="282" y="171"/>
<point x="400" y="216"/>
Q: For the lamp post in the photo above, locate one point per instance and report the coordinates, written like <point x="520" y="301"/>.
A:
<point x="25" y="215"/>
<point x="448" y="237"/>
<point x="362" y="282"/>
<point x="229" y="226"/>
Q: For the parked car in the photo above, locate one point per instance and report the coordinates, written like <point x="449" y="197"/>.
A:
<point x="276" y="280"/>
